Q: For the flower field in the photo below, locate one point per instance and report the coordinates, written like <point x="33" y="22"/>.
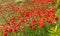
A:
<point x="29" y="17"/>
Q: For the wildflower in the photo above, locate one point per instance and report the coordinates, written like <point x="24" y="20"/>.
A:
<point x="34" y="22"/>
<point x="5" y="34"/>
<point x="23" y="27"/>
<point x="57" y="18"/>
<point x="18" y="24"/>
<point x="30" y="26"/>
<point x="1" y="27"/>
<point x="6" y="30"/>
<point x="10" y="30"/>
<point x="50" y="21"/>
<point x="51" y="10"/>
<point x="15" y="29"/>
<point x="25" y="20"/>
<point x="41" y="24"/>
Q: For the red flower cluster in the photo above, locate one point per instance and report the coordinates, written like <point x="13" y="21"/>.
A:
<point x="21" y="16"/>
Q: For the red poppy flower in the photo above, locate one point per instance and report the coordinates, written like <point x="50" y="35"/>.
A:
<point x="24" y="20"/>
<point x="50" y="21"/>
<point x="57" y="18"/>
<point x="30" y="26"/>
<point x="41" y="24"/>
<point x="1" y="27"/>
<point x="15" y="29"/>
<point x="6" y="30"/>
<point x="18" y="24"/>
<point x="10" y="29"/>
<point x="28" y="14"/>
<point x="34" y="22"/>
<point x="5" y="34"/>
<point x="23" y="27"/>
